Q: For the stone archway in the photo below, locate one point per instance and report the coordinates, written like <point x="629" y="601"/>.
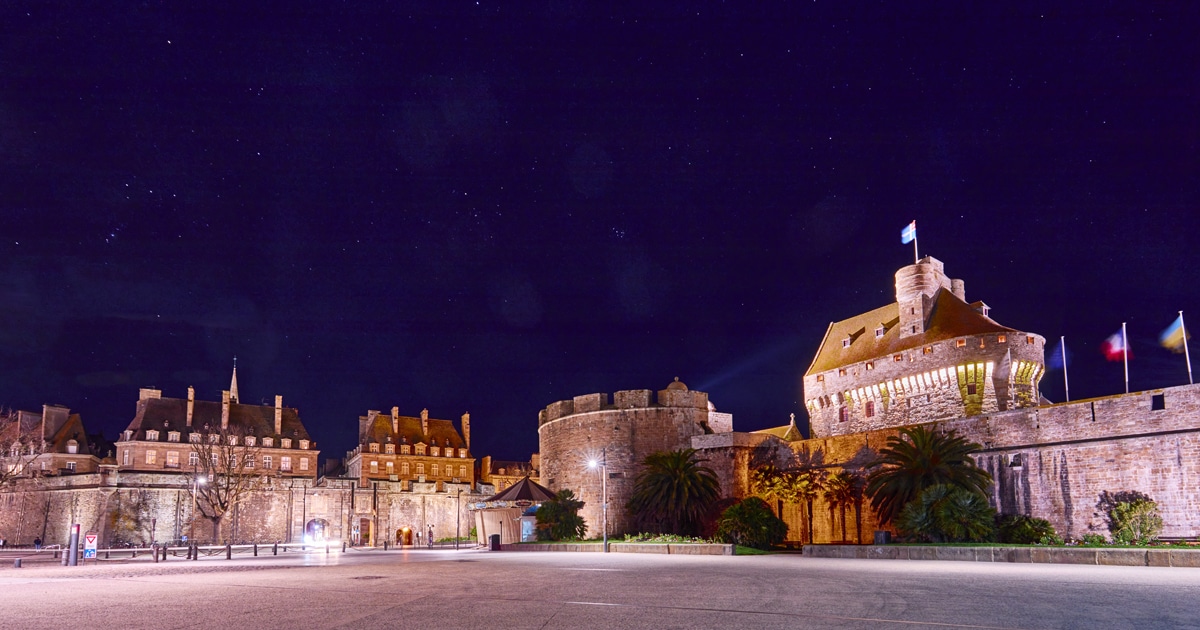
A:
<point x="404" y="536"/>
<point x="317" y="530"/>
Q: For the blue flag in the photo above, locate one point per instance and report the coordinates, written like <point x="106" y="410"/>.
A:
<point x="1055" y="360"/>
<point x="909" y="233"/>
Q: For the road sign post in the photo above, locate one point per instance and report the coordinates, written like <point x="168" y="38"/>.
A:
<point x="89" y="545"/>
<point x="73" y="546"/>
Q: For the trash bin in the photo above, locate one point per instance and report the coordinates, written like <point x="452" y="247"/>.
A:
<point x="494" y="542"/>
<point x="883" y="537"/>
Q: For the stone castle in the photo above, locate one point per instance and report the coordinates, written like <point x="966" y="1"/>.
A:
<point x="928" y="358"/>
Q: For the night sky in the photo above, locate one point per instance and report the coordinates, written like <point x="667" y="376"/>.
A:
<point x="489" y="207"/>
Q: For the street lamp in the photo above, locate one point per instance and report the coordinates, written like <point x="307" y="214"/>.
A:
<point x="197" y="481"/>
<point x="603" y="464"/>
<point x="457" y="517"/>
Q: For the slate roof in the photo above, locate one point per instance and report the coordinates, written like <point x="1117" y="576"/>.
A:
<point x="948" y="318"/>
<point x="441" y="432"/>
<point x="170" y="414"/>
<point x="524" y="490"/>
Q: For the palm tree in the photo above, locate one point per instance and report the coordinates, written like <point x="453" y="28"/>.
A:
<point x="916" y="459"/>
<point x="673" y="492"/>
<point x="803" y="486"/>
<point x="842" y="489"/>
<point x="765" y="482"/>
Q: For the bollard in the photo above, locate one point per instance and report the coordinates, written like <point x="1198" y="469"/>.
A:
<point x="106" y="554"/>
<point x="17" y="563"/>
<point x="228" y="551"/>
<point x="255" y="550"/>
<point x="56" y="554"/>
<point x="154" y="550"/>
<point x="164" y="548"/>
<point x="343" y="546"/>
<point x="327" y="549"/>
<point x="196" y="551"/>
<point x="275" y="549"/>
<point x="134" y="553"/>
<point x="385" y="545"/>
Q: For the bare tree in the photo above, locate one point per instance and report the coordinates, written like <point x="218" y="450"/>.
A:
<point x="226" y="472"/>
<point x="21" y="442"/>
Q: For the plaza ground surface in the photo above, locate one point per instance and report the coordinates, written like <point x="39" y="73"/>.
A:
<point x="480" y="589"/>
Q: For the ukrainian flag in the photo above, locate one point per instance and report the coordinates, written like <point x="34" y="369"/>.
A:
<point x="1175" y="336"/>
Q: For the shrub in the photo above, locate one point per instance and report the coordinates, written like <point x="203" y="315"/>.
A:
<point x="1133" y="517"/>
<point x="1093" y="540"/>
<point x="1019" y="529"/>
<point x="944" y="513"/>
<point x="559" y="519"/>
<point x="751" y="523"/>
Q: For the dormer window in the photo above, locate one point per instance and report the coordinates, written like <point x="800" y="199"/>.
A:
<point x="172" y="436"/>
<point x="214" y="438"/>
<point x="879" y="332"/>
<point x="128" y="435"/>
<point x="304" y="445"/>
<point x="268" y="442"/>
<point x="405" y="449"/>
<point x="462" y="452"/>
<point x="421" y="449"/>
<point x="390" y="449"/>
<point x="846" y="342"/>
<point x="250" y="440"/>
<point x="152" y="435"/>
<point x="233" y="440"/>
<point x="286" y="442"/>
<point x="373" y="447"/>
<point x="433" y="451"/>
<point x="72" y="447"/>
<point x="1001" y="339"/>
<point x="194" y="437"/>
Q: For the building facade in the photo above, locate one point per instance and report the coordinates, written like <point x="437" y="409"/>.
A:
<point x="502" y="474"/>
<point x="411" y="450"/>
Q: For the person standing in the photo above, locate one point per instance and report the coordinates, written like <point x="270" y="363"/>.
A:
<point x="37" y="544"/>
<point x="430" y="541"/>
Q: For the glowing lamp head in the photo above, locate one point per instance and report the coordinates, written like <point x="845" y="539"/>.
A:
<point x="592" y="463"/>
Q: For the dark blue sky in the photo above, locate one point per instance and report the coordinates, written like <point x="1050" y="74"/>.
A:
<point x="489" y="207"/>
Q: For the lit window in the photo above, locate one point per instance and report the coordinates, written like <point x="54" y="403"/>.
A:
<point x="194" y="437"/>
<point x="152" y="435"/>
<point x="927" y="350"/>
<point x="390" y="449"/>
<point x="172" y="436"/>
<point x="304" y="445"/>
<point x="268" y="441"/>
<point x="391" y="468"/>
<point x="193" y="459"/>
<point x="71" y="466"/>
<point x="462" y="471"/>
<point x="433" y="451"/>
<point x="820" y="378"/>
<point x="1029" y="339"/>
<point x="405" y="449"/>
<point x="374" y="447"/>
<point x="870" y="366"/>
<point x="842" y="372"/>
<point x="897" y="357"/>
<point x="1001" y="338"/>
<point x="420" y="469"/>
<point x="870" y="409"/>
<point x="374" y="468"/>
<point x="843" y="414"/>
<point x="403" y="468"/>
<point x="249" y="461"/>
<point x="172" y="459"/>
<point x="286" y="443"/>
<point x="268" y="461"/>
<point x="151" y="457"/>
<point x="249" y="440"/>
<point x="435" y="470"/>
<point x="421" y="449"/>
<point x="846" y="342"/>
<point x="303" y="463"/>
<point x="72" y="447"/>
<point x="879" y="332"/>
<point x="959" y="343"/>
<point x="462" y="452"/>
<point x="285" y="463"/>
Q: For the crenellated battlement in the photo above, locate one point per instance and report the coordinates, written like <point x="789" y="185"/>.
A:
<point x="675" y="395"/>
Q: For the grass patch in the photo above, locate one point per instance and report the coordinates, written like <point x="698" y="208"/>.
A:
<point x="741" y="550"/>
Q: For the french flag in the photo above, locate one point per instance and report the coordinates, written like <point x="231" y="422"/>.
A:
<point x="1115" y="348"/>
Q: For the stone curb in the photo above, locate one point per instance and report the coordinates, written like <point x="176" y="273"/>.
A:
<point x="684" y="549"/>
<point x="1042" y="555"/>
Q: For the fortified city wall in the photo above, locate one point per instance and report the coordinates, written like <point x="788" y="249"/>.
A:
<point x="635" y="424"/>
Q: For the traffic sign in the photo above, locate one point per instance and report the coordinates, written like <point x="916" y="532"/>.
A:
<point x="89" y="545"/>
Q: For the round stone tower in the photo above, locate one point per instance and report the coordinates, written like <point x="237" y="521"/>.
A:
<point x="636" y="423"/>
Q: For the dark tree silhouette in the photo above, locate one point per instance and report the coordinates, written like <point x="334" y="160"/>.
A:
<point x="919" y="458"/>
<point x="673" y="492"/>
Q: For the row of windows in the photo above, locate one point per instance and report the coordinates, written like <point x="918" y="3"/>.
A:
<point x="194" y="437"/>
<point x="172" y="460"/>
<point x="958" y="343"/>
<point x="405" y="449"/>
<point x="968" y="374"/>
<point x="435" y="470"/>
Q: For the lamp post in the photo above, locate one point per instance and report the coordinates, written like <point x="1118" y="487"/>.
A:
<point x="603" y="464"/>
<point x="457" y="517"/>
<point x="197" y="481"/>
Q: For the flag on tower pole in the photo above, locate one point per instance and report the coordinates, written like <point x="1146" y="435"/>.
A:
<point x="909" y="235"/>
<point x="1058" y="359"/>
<point x="1116" y="348"/>
<point x="1174" y="338"/>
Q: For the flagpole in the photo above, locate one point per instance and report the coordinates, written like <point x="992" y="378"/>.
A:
<point x="1062" y="343"/>
<point x="1125" y="354"/>
<point x="916" y="257"/>
<point x="1186" y="356"/>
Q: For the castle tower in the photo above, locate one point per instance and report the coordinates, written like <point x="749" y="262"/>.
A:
<point x="928" y="356"/>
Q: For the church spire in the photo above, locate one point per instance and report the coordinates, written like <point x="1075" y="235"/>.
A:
<point x="233" y="393"/>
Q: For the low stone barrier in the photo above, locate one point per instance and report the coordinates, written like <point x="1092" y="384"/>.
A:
<point x="1158" y="557"/>
<point x="689" y="549"/>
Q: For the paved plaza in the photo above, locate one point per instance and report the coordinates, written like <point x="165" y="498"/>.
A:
<point x="480" y="589"/>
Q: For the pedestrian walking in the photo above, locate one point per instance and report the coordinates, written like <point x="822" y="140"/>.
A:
<point x="430" y="537"/>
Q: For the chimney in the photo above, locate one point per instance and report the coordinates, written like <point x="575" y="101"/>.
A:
<point x="224" y="410"/>
<point x="535" y="461"/>
<point x="424" y="422"/>
<point x="191" y="406"/>
<point x="147" y="393"/>
<point x="278" y="414"/>
<point x="395" y="419"/>
<point x="466" y="427"/>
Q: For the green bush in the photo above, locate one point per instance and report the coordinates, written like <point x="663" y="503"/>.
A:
<point x="944" y="513"/>
<point x="751" y="523"/>
<point x="1093" y="540"/>
<point x="559" y="519"/>
<point x="1133" y="517"/>
<point x="1020" y="529"/>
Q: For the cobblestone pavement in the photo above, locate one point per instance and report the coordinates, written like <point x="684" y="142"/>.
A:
<point x="480" y="589"/>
